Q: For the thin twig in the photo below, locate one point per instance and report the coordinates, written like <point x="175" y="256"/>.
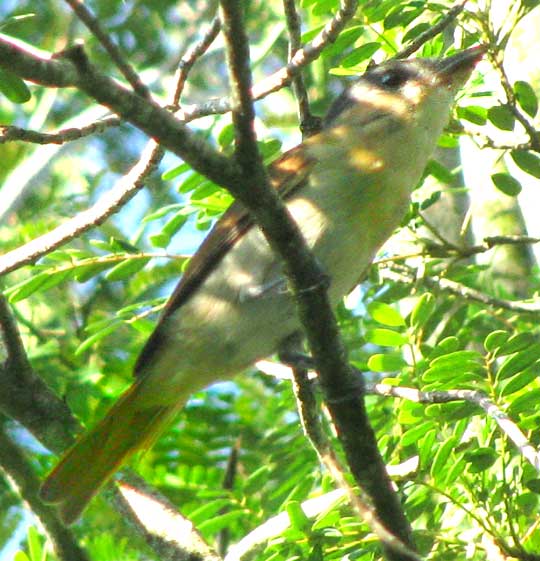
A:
<point x="92" y="23"/>
<point x="71" y="68"/>
<point x="124" y="190"/>
<point x="277" y="525"/>
<point x="191" y="57"/>
<point x="511" y="105"/>
<point x="309" y="124"/>
<point x="282" y="77"/>
<point x="309" y="418"/>
<point x="10" y="134"/>
<point x="408" y="276"/>
<point x="433" y="31"/>
<point x="472" y="396"/>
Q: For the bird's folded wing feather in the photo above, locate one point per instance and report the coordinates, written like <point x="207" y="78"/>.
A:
<point x="287" y="174"/>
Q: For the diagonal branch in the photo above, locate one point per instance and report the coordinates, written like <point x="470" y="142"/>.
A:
<point x="124" y="190"/>
<point x="472" y="396"/>
<point x="92" y="23"/>
<point x="189" y="59"/>
<point x="283" y="77"/>
<point x="315" y="313"/>
<point x="21" y="473"/>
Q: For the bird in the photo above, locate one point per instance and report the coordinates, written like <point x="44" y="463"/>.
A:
<point x="348" y="187"/>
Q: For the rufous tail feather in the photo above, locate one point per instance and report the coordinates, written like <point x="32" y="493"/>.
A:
<point x="86" y="467"/>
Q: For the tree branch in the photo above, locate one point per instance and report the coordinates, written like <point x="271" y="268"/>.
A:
<point x="25" y="397"/>
<point x="92" y="23"/>
<point x="20" y="472"/>
<point x="309" y="124"/>
<point x="348" y="414"/>
<point x="282" y="77"/>
<point x="10" y="134"/>
<point x="472" y="396"/>
<point x="433" y="31"/>
<point x="191" y="57"/>
<point x="123" y="191"/>
<point x="72" y="68"/>
<point x="407" y="275"/>
<point x="170" y="535"/>
<point x="309" y="418"/>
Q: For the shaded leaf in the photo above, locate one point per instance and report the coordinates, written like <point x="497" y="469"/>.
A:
<point x="13" y="87"/>
<point x="126" y="269"/>
<point x="526" y="97"/>
<point x="501" y="117"/>
<point x="506" y="184"/>
<point x="526" y="161"/>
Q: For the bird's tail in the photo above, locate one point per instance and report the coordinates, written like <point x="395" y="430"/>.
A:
<point x="85" y="468"/>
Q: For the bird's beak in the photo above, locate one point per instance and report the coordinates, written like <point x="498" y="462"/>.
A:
<point x="454" y="70"/>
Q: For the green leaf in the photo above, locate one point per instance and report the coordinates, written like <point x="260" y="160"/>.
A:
<point x="191" y="182"/>
<point x="440" y="460"/>
<point x="385" y="337"/>
<point x="456" y="470"/>
<point x="433" y="198"/>
<point x="159" y="240"/>
<point x="501" y="117"/>
<point x="86" y="272"/>
<point x="533" y="485"/>
<point x="526" y="97"/>
<point x="425" y="448"/>
<point x="385" y="314"/>
<point x="299" y="520"/>
<point x="127" y="269"/>
<point x="401" y="17"/>
<point x="480" y="459"/>
<point x="41" y="281"/>
<point x="413" y="435"/>
<point x="13" y="87"/>
<point x="386" y="362"/>
<point x="35" y="547"/>
<point x="415" y="31"/>
<point x="458" y="359"/>
<point x="89" y="342"/>
<point x="516" y="343"/>
<point x="256" y="480"/>
<point x="410" y="413"/>
<point x="170" y="228"/>
<point x="519" y="361"/>
<point x="208" y="509"/>
<point x="20" y="556"/>
<point x="163" y="211"/>
<point x="495" y="339"/>
<point x="519" y="380"/>
<point x="525" y="403"/>
<point x="473" y="113"/>
<point x="175" y="172"/>
<point x="366" y="51"/>
<point x="440" y="172"/>
<point x="527" y="162"/>
<point x="448" y="345"/>
<point x="467" y="369"/>
<point x="226" y="136"/>
<point x="507" y="184"/>
<point x="221" y="521"/>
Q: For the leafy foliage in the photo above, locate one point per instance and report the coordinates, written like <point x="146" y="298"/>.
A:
<point x="85" y="309"/>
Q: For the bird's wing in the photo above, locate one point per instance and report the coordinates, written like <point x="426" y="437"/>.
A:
<point x="286" y="174"/>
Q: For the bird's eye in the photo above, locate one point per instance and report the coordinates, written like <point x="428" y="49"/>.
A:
<point x="394" y="78"/>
